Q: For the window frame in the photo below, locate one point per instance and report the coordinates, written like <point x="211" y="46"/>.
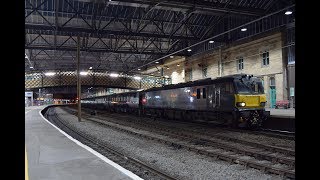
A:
<point x="240" y="58"/>
<point x="204" y="93"/>
<point x="270" y="84"/>
<point x="205" y="72"/>
<point x="266" y="58"/>
<point x="198" y="93"/>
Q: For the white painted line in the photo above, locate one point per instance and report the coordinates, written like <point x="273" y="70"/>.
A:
<point x="28" y="111"/>
<point x="117" y="166"/>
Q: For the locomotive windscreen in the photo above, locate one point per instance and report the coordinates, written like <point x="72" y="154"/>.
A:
<point x="249" y="86"/>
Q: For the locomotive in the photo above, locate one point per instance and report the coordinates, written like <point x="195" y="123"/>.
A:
<point x="235" y="100"/>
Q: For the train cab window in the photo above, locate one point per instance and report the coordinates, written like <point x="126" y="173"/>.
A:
<point x="229" y="88"/>
<point x="198" y="93"/>
<point x="204" y="93"/>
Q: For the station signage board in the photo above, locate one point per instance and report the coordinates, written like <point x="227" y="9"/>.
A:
<point x="28" y="94"/>
<point x="292" y="91"/>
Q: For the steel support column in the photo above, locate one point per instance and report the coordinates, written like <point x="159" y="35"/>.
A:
<point x="220" y="62"/>
<point x="78" y="80"/>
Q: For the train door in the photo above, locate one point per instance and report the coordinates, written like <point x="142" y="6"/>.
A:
<point x="226" y="96"/>
<point x="216" y="97"/>
<point x="209" y="96"/>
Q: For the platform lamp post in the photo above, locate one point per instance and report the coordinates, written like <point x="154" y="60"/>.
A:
<point x="78" y="80"/>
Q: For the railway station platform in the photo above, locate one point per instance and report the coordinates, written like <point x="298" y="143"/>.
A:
<point x="52" y="154"/>
<point x="281" y="119"/>
<point x="289" y="113"/>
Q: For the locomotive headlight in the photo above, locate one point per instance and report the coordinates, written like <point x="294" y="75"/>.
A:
<point x="263" y="104"/>
<point x="241" y="104"/>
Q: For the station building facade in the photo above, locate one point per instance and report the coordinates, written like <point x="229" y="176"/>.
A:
<point x="265" y="56"/>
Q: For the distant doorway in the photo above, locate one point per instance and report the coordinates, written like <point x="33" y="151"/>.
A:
<point x="272" y="93"/>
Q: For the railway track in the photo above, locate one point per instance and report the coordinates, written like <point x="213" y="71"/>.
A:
<point x="259" y="156"/>
<point x="140" y="168"/>
<point x="265" y="132"/>
<point x="205" y="132"/>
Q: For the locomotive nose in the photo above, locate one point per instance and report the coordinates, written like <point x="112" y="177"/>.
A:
<point x="250" y="101"/>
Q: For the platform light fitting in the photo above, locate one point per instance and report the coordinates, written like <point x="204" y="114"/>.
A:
<point x="244" y="29"/>
<point x="152" y="74"/>
<point x="83" y="73"/>
<point x="90" y="67"/>
<point x="178" y="64"/>
<point x="211" y="41"/>
<point x="168" y="68"/>
<point x="31" y="67"/>
<point x="49" y="73"/>
<point x="189" y="50"/>
<point x="137" y="77"/>
<point x="171" y="57"/>
<point x="139" y="69"/>
<point x="288" y="12"/>
<point x="114" y="75"/>
<point x="157" y="62"/>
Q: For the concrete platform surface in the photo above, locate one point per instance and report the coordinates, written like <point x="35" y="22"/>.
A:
<point x="52" y="155"/>
<point x="281" y="112"/>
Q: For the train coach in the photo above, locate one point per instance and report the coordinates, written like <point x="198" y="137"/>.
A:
<point x="236" y="100"/>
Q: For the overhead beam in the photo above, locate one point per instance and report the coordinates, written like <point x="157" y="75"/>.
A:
<point x="119" y="17"/>
<point x="105" y="32"/>
<point x="97" y="50"/>
<point x="201" y="7"/>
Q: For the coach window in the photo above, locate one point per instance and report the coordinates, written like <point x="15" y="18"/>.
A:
<point x="198" y="93"/>
<point x="204" y="93"/>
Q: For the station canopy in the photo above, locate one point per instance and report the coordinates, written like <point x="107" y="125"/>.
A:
<point x="131" y="35"/>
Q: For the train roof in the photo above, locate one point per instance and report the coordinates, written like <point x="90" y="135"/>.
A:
<point x="115" y="94"/>
<point x="200" y="82"/>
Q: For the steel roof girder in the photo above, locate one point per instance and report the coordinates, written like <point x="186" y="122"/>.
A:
<point x="106" y="32"/>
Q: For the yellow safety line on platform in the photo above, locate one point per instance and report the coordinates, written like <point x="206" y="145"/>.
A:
<point x="26" y="166"/>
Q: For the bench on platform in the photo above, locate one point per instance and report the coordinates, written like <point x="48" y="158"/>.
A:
<point x="282" y="104"/>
